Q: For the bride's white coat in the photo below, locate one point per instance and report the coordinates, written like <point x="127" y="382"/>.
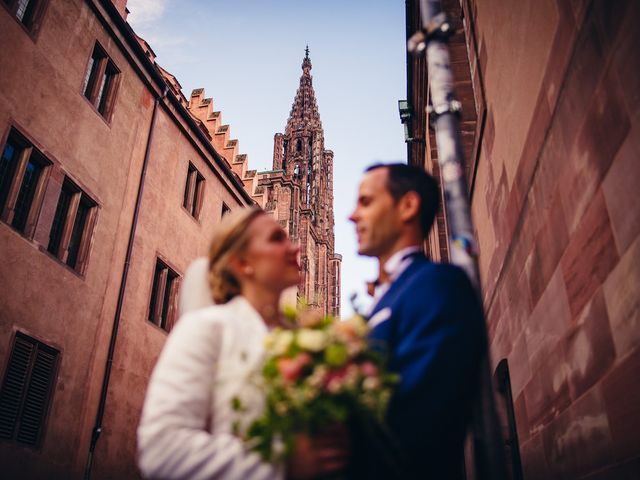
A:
<point x="185" y="432"/>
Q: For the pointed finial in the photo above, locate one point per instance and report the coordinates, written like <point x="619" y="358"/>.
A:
<point x="306" y="63"/>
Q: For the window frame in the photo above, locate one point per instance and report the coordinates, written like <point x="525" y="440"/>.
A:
<point x="92" y="88"/>
<point x="163" y="296"/>
<point x="33" y="26"/>
<point x="28" y="149"/>
<point x="63" y="251"/>
<point x="224" y="210"/>
<point x="48" y="402"/>
<point x="193" y="192"/>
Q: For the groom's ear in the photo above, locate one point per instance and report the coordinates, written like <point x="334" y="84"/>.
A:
<point x="409" y="206"/>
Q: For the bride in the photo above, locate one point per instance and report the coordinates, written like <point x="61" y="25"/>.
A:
<point x="187" y="425"/>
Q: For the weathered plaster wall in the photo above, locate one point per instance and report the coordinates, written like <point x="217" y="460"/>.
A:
<point x="165" y="229"/>
<point x="41" y="95"/>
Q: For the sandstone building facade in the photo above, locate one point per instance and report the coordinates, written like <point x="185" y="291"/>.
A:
<point x="109" y="188"/>
<point x="111" y="183"/>
<point x="551" y="134"/>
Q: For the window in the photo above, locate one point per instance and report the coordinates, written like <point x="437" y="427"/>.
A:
<point x="26" y="390"/>
<point x="193" y="191"/>
<point x="27" y="12"/>
<point x="225" y="209"/>
<point x="73" y="222"/>
<point x="22" y="174"/>
<point x="100" y="82"/>
<point x="163" y="296"/>
<point x="285" y="151"/>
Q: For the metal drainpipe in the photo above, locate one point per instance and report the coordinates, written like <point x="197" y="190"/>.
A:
<point x="97" y="429"/>
<point x="445" y="110"/>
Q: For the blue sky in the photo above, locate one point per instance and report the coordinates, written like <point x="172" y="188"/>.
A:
<point x="247" y="54"/>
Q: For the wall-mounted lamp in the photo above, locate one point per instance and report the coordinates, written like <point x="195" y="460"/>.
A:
<point x="405" y="110"/>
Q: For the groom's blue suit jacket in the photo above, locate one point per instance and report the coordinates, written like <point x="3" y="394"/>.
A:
<point x="431" y="324"/>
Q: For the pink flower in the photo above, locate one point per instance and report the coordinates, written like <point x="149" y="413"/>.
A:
<point x="290" y="368"/>
<point x="368" y="369"/>
<point x="335" y="380"/>
<point x="335" y="385"/>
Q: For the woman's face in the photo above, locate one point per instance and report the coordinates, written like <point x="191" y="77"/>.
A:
<point x="271" y="257"/>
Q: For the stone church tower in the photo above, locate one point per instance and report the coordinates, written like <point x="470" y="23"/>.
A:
<point x="299" y="193"/>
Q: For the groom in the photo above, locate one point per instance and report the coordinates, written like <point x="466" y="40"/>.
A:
<point x="429" y="319"/>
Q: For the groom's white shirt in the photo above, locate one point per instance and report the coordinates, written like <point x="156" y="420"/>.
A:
<point x="393" y="267"/>
<point x="186" y="427"/>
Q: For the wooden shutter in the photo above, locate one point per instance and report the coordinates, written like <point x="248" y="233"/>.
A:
<point x="13" y="386"/>
<point x="26" y="390"/>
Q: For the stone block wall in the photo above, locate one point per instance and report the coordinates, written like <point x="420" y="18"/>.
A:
<point x="554" y="204"/>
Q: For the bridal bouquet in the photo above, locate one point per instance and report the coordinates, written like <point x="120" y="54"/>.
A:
<point x="318" y="373"/>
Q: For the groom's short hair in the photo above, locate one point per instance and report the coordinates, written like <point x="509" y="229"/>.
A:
<point x="403" y="178"/>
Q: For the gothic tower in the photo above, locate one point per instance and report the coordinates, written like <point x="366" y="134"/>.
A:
<point x="299" y="192"/>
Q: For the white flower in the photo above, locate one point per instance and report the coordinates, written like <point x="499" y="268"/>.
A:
<point x="277" y="446"/>
<point x="312" y="340"/>
<point x="278" y="341"/>
<point x="317" y="377"/>
<point x="359" y="324"/>
<point x="371" y="383"/>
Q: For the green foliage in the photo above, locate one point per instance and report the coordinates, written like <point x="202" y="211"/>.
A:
<point x="270" y="369"/>
<point x="336" y="355"/>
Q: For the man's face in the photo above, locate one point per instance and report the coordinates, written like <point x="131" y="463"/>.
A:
<point x="377" y="222"/>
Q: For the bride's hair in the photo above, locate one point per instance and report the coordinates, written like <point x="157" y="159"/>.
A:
<point x="229" y="241"/>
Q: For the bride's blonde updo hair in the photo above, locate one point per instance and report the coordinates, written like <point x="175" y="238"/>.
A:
<point x="229" y="241"/>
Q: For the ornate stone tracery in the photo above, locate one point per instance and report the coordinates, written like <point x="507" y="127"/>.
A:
<point x="299" y="193"/>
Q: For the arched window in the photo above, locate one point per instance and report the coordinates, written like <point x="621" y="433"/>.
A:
<point x="298" y="145"/>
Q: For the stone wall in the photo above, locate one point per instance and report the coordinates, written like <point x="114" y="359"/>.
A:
<point x="554" y="207"/>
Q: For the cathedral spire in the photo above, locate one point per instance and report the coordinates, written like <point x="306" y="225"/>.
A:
<point x="299" y="190"/>
<point x="304" y="111"/>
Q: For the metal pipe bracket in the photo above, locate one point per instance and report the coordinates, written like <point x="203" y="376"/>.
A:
<point x="452" y="106"/>
<point x="439" y="27"/>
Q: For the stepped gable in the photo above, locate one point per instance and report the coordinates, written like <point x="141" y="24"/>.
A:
<point x="210" y="122"/>
<point x="201" y="107"/>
